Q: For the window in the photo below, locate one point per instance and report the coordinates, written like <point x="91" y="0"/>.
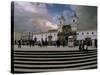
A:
<point x="92" y="33"/>
<point x="54" y="34"/>
<point x="73" y="20"/>
<point x="87" y="32"/>
<point x="82" y="33"/>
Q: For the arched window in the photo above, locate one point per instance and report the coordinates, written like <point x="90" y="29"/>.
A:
<point x="92" y="32"/>
<point x="73" y="20"/>
<point x="87" y="32"/>
<point x="82" y="33"/>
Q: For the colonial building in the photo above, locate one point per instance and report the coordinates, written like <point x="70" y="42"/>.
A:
<point x="90" y="35"/>
<point x="66" y="34"/>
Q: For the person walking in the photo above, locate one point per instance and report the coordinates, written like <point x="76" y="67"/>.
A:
<point x="46" y="43"/>
<point x="30" y="43"/>
<point x="86" y="45"/>
<point x="19" y="43"/>
<point x="80" y="47"/>
<point x="63" y="43"/>
<point x="96" y="43"/>
<point x="58" y="43"/>
<point x="83" y="43"/>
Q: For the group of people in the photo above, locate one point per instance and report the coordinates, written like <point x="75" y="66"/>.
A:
<point x="59" y="43"/>
<point x="41" y="43"/>
<point x="31" y="43"/>
<point x="83" y="46"/>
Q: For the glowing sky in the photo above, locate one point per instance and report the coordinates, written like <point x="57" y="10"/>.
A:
<point x="30" y="16"/>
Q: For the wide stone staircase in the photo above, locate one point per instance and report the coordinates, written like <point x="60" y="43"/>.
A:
<point x="46" y="61"/>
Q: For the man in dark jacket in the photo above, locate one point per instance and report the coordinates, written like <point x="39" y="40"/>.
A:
<point x="19" y="43"/>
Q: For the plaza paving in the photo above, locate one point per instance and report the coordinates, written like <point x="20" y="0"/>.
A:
<point x="49" y="48"/>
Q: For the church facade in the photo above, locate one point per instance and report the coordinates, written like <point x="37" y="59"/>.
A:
<point x="68" y="35"/>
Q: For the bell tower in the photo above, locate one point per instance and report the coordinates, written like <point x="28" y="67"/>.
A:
<point x="75" y="22"/>
<point x="61" y="23"/>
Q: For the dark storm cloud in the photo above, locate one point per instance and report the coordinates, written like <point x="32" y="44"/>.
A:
<point x="87" y="17"/>
<point x="31" y="17"/>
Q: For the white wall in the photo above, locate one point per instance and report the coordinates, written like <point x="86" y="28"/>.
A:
<point x="45" y="35"/>
<point x="17" y="36"/>
<point x="81" y="36"/>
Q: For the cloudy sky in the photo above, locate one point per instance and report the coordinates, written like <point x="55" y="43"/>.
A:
<point x="33" y="17"/>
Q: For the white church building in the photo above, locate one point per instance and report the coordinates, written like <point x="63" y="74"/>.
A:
<point x="53" y="34"/>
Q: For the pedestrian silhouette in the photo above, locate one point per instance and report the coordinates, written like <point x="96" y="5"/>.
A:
<point x="19" y="43"/>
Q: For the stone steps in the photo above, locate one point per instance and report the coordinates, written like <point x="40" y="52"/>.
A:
<point x="46" y="61"/>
